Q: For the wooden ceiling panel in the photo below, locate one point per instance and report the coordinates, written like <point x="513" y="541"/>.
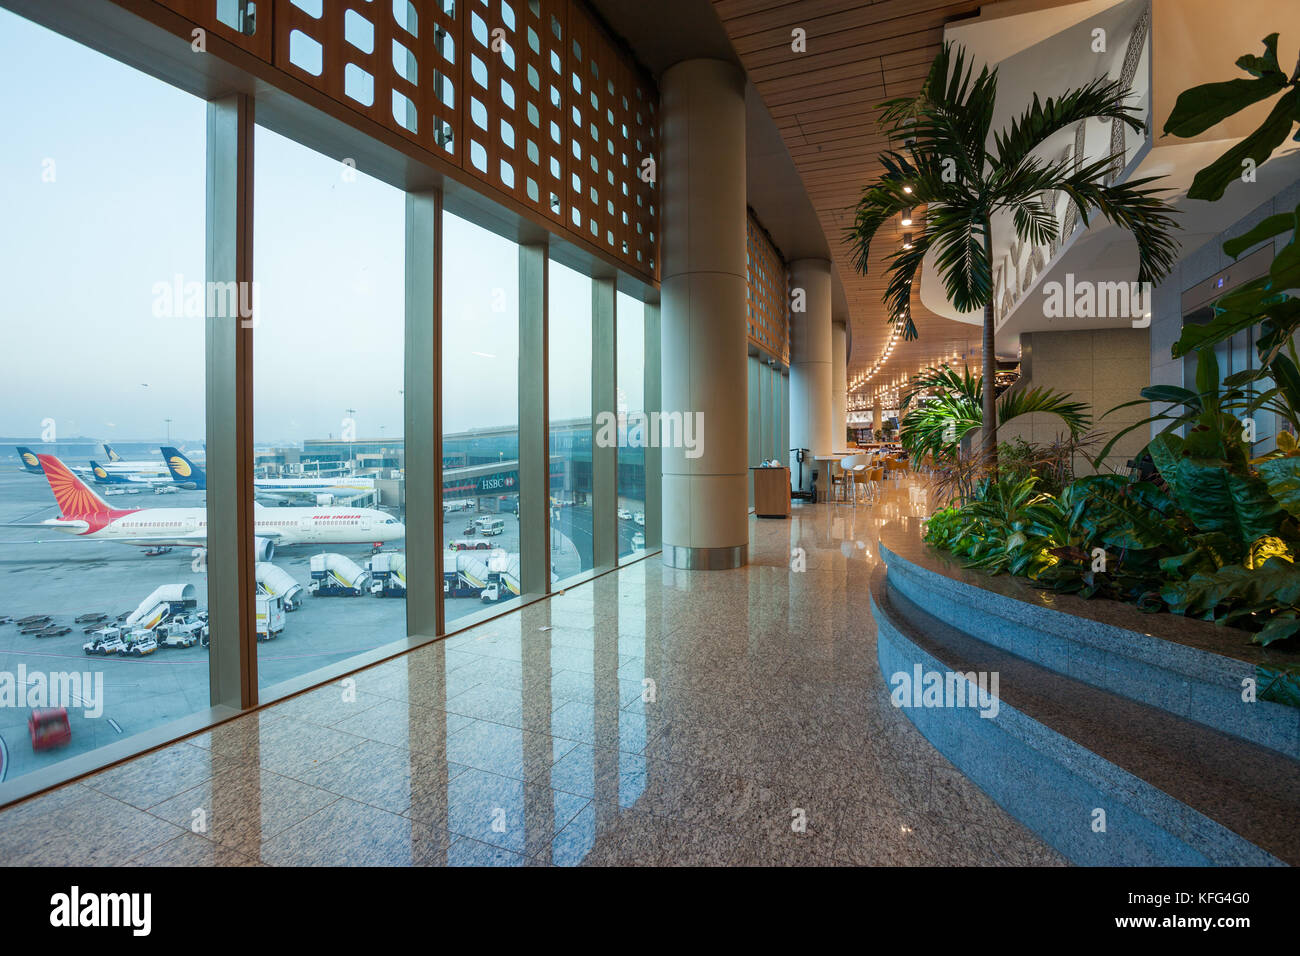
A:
<point x="824" y="104"/>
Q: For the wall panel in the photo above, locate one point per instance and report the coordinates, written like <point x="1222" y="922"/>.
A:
<point x="533" y="98"/>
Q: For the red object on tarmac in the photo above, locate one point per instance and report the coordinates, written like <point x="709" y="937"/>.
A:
<point x="49" y="728"/>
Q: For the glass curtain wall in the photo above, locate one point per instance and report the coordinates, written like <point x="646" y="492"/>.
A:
<point x="569" y="317"/>
<point x="107" y="168"/>
<point x="634" y="429"/>
<point x="102" y="182"/>
<point x="328" y="413"/>
<point x="480" y="418"/>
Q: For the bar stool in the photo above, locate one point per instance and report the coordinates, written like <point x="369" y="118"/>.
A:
<point x="878" y="481"/>
<point x="844" y="479"/>
<point x="859" y="477"/>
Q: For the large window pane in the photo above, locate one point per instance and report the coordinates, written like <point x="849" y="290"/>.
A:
<point x="328" y="413"/>
<point x="636" y="432"/>
<point x="480" y="419"/>
<point x="569" y="309"/>
<point x="102" y="262"/>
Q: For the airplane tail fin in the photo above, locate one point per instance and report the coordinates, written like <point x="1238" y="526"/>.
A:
<point x="101" y="476"/>
<point x="183" y="471"/>
<point x="31" y="464"/>
<point x="74" y="499"/>
<point x="112" y="455"/>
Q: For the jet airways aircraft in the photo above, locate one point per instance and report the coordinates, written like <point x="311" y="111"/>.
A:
<point x="115" y="465"/>
<point x="84" y="514"/>
<point x="100" y="474"/>
<point x="189" y="475"/>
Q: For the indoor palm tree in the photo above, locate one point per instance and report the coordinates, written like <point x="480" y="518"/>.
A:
<point x="949" y="165"/>
<point x="936" y="425"/>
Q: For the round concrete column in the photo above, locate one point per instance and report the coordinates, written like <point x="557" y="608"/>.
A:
<point x="810" y="364"/>
<point x="878" y="418"/>
<point x="702" y="298"/>
<point x="839" y="385"/>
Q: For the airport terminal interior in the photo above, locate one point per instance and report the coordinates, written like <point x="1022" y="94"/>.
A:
<point x="612" y="433"/>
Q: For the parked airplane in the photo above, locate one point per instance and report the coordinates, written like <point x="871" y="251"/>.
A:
<point x="84" y="514"/>
<point x="183" y="471"/>
<point x="31" y="464"/>
<point x="102" y="476"/>
<point x="99" y="474"/>
<point x="189" y="475"/>
<point x="115" y="465"/>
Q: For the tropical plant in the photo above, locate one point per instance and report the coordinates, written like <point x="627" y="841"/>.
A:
<point x="1052" y="463"/>
<point x="949" y="165"/>
<point x="1111" y="536"/>
<point x="1266" y="306"/>
<point x="1208" y="411"/>
<point x="1201" y="107"/>
<point x="937" y="424"/>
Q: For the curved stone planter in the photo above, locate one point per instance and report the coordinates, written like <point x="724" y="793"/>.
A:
<point x="1116" y="747"/>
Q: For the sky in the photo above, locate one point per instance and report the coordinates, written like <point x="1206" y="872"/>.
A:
<point x="102" y="187"/>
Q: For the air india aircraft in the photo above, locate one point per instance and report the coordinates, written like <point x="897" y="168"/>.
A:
<point x="84" y="514"/>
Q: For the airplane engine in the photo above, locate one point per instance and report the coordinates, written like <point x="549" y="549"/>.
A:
<point x="265" y="549"/>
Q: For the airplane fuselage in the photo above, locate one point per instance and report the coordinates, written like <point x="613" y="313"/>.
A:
<point x="285" y="526"/>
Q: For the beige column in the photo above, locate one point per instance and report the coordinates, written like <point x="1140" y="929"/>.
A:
<point x="839" y="385"/>
<point x="702" y="321"/>
<point x="810" y="363"/>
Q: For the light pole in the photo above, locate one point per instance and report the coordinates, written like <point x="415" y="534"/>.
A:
<point x="352" y="432"/>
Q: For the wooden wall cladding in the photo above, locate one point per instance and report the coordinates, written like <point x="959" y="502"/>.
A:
<point x="531" y="97"/>
<point x="768" y="293"/>
<point x="245" y="23"/>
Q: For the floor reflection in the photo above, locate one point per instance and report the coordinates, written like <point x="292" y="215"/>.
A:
<point x="648" y="717"/>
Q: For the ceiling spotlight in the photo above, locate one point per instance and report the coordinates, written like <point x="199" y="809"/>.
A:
<point x="907" y="237"/>
<point x="907" y="217"/>
<point x="908" y="190"/>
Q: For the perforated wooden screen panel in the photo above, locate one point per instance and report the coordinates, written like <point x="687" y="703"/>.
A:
<point x="246" y="23"/>
<point x="393" y="61"/>
<point x="514" y="107"/>
<point x="611" y="190"/>
<point x="531" y="97"/>
<point x="768" y="294"/>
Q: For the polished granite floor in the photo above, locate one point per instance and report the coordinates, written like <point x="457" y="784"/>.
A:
<point x="650" y="717"/>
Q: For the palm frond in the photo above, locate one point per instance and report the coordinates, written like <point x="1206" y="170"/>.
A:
<point x="1103" y="99"/>
<point x="1133" y="207"/>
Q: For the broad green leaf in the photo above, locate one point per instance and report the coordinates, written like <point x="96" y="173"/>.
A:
<point x="1287" y="377"/>
<point x="1285" y="272"/>
<point x="1276" y="582"/>
<point x="1224" y="325"/>
<point x="1217" y="499"/>
<point x="1212" y="181"/>
<point x="1201" y="107"/>
<point x="1248" y="298"/>
<point x="1166" y="451"/>
<point x="1281" y="686"/>
<point x="1270" y="227"/>
<point x="1171" y="393"/>
<point x="1266" y="65"/>
<point x="1282" y="478"/>
<point x="1207" y="374"/>
<point x="1245" y="377"/>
